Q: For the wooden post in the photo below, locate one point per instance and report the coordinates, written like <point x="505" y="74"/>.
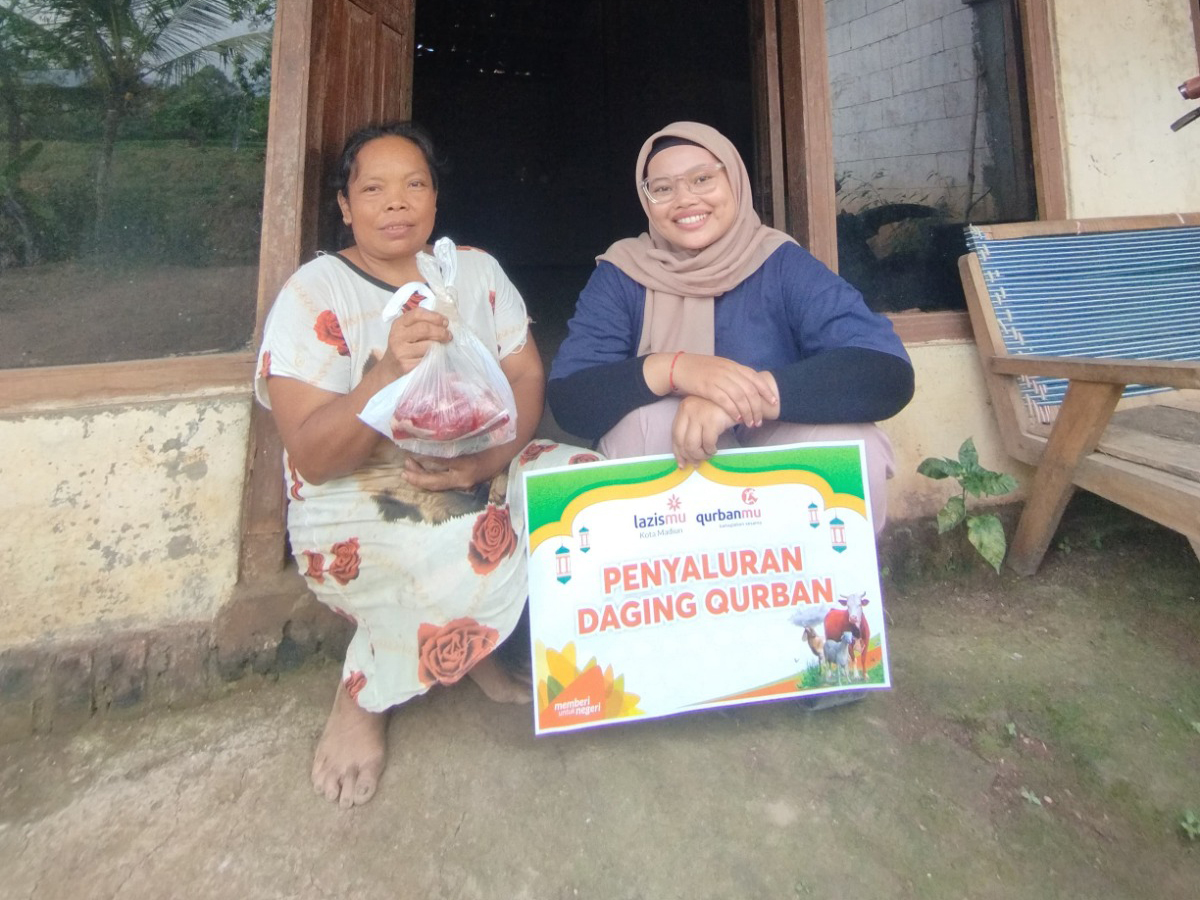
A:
<point x="1082" y="418"/>
<point x="770" y="187"/>
<point x="808" y="128"/>
<point x="1041" y="81"/>
<point x="263" y="501"/>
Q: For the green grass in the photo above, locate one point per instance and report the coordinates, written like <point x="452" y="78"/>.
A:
<point x="170" y="201"/>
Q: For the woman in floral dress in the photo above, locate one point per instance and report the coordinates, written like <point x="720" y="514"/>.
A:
<point x="425" y="555"/>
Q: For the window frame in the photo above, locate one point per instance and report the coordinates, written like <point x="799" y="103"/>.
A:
<point x="794" y="108"/>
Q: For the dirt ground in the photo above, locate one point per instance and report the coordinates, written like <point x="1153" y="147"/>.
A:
<point x="1041" y="740"/>
<point x="66" y="313"/>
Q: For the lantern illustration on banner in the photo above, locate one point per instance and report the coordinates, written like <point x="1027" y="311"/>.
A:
<point x="814" y="518"/>
<point x="584" y="546"/>
<point x="562" y="564"/>
<point x="837" y="534"/>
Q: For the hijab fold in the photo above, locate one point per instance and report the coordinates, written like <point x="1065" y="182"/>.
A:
<point x="681" y="284"/>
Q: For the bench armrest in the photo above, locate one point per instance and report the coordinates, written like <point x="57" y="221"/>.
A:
<point x="1167" y="373"/>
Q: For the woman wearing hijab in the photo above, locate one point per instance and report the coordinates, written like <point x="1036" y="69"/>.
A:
<point x="712" y="330"/>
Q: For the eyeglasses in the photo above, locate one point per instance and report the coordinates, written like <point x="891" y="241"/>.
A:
<point x="699" y="180"/>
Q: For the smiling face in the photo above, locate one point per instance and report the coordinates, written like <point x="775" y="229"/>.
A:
<point x="390" y="201"/>
<point x="688" y="221"/>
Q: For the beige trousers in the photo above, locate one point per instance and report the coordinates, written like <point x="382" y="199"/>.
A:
<point x="647" y="431"/>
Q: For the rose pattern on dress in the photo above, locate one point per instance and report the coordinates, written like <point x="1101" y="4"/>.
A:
<point x="343" y="568"/>
<point x="582" y="458"/>
<point x="294" y="490"/>
<point x="316" y="566"/>
<point x="329" y="331"/>
<point x="355" y="682"/>
<point x="533" y="450"/>
<point x="492" y="300"/>
<point x="446" y="653"/>
<point x="492" y="539"/>
<point x="413" y="302"/>
<point x="265" y="369"/>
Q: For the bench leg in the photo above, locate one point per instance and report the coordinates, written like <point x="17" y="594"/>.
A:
<point x="1082" y="418"/>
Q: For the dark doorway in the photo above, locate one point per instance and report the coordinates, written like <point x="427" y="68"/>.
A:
<point x="539" y="109"/>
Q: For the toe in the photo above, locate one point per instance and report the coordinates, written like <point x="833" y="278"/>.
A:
<point x="332" y="787"/>
<point x="319" y="776"/>
<point x="345" y="796"/>
<point x="364" y="788"/>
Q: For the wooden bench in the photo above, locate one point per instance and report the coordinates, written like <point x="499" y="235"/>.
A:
<point x="1089" y="336"/>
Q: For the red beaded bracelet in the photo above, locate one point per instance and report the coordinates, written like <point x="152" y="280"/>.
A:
<point x="671" y="371"/>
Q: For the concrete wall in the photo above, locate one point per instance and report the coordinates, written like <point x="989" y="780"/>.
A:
<point x="119" y="516"/>
<point x="903" y="83"/>
<point x="951" y="405"/>
<point x="1120" y="63"/>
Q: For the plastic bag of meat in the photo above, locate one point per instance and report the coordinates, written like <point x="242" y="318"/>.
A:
<point x="457" y="400"/>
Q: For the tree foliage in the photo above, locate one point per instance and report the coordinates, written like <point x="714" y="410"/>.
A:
<point x="121" y="48"/>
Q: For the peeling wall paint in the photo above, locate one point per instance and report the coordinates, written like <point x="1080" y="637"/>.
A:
<point x="119" y="516"/>
<point x="1120" y="63"/>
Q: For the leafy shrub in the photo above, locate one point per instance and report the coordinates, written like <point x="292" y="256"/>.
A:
<point x="985" y="532"/>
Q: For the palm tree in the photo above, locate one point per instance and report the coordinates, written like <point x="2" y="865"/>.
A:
<point x="120" y="45"/>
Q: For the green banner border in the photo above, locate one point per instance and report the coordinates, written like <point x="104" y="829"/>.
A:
<point x="839" y="466"/>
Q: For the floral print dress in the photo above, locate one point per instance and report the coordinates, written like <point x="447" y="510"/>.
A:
<point x="433" y="581"/>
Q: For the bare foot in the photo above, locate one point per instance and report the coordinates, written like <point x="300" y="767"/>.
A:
<point x="350" y="754"/>
<point x="499" y="684"/>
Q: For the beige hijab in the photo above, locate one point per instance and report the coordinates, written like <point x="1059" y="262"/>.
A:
<point x="681" y="284"/>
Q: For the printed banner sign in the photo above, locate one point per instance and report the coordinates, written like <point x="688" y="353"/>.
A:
<point x="655" y="590"/>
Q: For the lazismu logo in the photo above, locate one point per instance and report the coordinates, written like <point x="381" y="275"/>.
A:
<point x="659" y="519"/>
<point x="728" y="515"/>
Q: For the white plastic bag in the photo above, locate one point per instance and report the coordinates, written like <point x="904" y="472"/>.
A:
<point x="457" y="399"/>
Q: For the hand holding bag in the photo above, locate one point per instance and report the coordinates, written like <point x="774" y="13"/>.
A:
<point x="457" y="400"/>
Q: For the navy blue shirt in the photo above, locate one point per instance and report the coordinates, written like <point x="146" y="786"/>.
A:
<point x="834" y="359"/>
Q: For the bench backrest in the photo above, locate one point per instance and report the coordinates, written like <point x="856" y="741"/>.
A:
<point x="1131" y="294"/>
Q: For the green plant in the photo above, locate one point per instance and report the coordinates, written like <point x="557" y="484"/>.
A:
<point x="1190" y="824"/>
<point x="985" y="532"/>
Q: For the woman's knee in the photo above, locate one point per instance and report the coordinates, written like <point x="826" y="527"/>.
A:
<point x="644" y="432"/>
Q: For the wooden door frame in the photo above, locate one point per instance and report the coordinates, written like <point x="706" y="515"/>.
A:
<point x="298" y="153"/>
<point x="285" y="215"/>
<point x="807" y="121"/>
<point x="794" y="122"/>
<point x="1039" y="36"/>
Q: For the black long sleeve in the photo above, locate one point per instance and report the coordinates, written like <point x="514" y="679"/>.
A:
<point x="591" y="401"/>
<point x="845" y="384"/>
